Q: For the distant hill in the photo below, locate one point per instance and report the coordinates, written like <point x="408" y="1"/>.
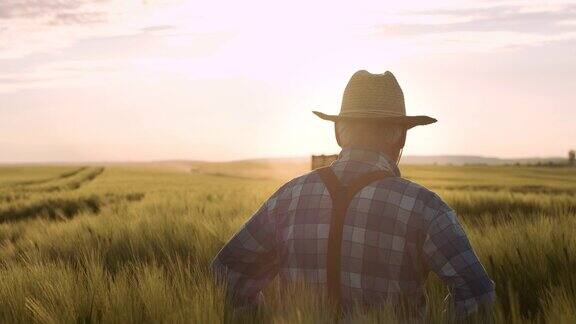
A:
<point x="289" y="167"/>
<point x="471" y="159"/>
<point x="426" y="159"/>
<point x="304" y="162"/>
<point x="286" y="168"/>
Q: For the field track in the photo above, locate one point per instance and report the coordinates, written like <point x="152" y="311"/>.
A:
<point x="70" y="180"/>
<point x="52" y="198"/>
<point x="64" y="175"/>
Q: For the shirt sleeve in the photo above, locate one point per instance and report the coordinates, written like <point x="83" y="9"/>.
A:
<point x="447" y="251"/>
<point x="248" y="262"/>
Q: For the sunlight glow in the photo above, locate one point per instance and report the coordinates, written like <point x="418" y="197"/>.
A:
<point x="116" y="80"/>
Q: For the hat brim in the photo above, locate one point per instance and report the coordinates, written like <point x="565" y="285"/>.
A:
<point x="407" y="121"/>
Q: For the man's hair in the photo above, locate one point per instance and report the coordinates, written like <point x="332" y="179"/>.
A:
<point x="370" y="135"/>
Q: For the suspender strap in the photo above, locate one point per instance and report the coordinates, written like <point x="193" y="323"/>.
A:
<point x="341" y="197"/>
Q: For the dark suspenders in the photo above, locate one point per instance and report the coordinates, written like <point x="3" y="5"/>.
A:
<point x="341" y="197"/>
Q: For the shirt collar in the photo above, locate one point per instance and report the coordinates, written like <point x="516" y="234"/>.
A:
<point x="375" y="159"/>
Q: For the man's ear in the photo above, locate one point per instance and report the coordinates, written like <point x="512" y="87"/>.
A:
<point x="400" y="146"/>
<point x="402" y="140"/>
<point x="337" y="134"/>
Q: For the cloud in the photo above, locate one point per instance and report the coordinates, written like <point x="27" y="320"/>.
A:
<point x="59" y="73"/>
<point x="515" y="19"/>
<point x="18" y="79"/>
<point x="97" y="60"/>
<point x="48" y="26"/>
<point x="157" y="28"/>
<point x="80" y="18"/>
<point x="13" y="9"/>
<point x="190" y="36"/>
<point x="53" y="12"/>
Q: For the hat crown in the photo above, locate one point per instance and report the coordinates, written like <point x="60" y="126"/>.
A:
<point x="375" y="97"/>
<point x="368" y="93"/>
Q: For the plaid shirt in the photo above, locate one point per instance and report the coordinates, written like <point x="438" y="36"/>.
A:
<point x="395" y="233"/>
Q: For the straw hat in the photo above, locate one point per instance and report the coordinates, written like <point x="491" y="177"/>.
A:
<point x="375" y="97"/>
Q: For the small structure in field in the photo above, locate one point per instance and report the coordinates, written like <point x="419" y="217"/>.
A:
<point x="319" y="161"/>
<point x="572" y="158"/>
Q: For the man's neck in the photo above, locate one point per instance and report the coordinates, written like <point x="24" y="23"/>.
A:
<point x="392" y="154"/>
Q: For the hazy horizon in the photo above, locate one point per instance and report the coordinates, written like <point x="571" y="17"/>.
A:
<point x="287" y="157"/>
<point x="110" y="80"/>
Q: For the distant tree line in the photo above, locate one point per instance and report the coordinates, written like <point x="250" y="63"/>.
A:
<point x="570" y="162"/>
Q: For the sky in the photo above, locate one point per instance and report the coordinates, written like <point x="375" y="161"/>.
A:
<point x="121" y="80"/>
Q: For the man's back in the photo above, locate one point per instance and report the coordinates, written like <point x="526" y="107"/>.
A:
<point x="394" y="233"/>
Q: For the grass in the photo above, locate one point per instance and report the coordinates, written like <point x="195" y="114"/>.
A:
<point x="133" y="244"/>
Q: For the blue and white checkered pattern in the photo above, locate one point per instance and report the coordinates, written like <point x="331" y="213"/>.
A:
<point x="395" y="233"/>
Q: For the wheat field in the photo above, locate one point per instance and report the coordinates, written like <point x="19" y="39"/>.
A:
<point x="133" y="243"/>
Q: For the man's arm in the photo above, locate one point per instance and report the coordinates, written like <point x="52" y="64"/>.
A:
<point x="249" y="260"/>
<point x="447" y="251"/>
